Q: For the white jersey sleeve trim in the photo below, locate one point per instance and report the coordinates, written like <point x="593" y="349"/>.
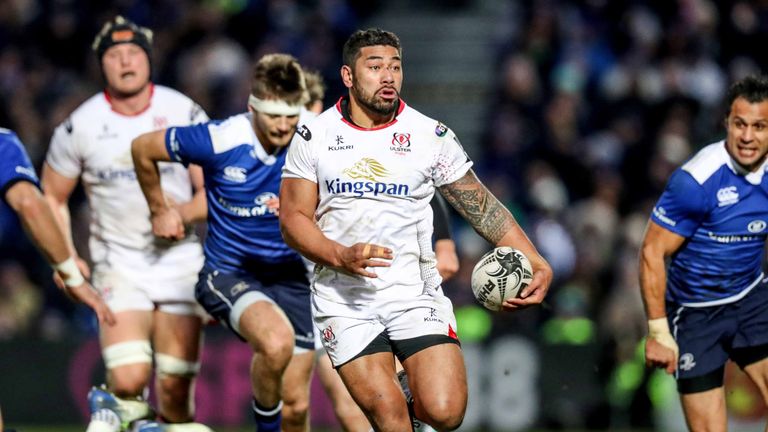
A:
<point x="707" y="162"/>
<point x="228" y="134"/>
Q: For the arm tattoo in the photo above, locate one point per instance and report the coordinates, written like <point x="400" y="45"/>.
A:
<point x="479" y="207"/>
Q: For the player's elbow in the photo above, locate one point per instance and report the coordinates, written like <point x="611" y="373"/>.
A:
<point x="30" y="205"/>
<point x="649" y="254"/>
<point x="139" y="148"/>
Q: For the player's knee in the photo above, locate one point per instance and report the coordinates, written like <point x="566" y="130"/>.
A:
<point x="445" y="416"/>
<point x="129" y="365"/>
<point x="170" y="366"/>
<point x="448" y="422"/>
<point x="276" y="347"/>
<point x="296" y="411"/>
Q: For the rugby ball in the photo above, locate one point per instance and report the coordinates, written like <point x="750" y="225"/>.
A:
<point x="500" y="274"/>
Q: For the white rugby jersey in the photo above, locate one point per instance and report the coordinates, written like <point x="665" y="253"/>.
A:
<point x="375" y="186"/>
<point x="94" y="143"/>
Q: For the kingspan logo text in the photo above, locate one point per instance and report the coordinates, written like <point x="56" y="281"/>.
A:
<point x="360" y="188"/>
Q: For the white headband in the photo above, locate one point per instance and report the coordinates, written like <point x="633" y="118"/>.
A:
<point x="273" y="106"/>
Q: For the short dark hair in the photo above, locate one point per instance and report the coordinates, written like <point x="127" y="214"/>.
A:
<point x="753" y="88"/>
<point x="365" y="38"/>
<point x="279" y="76"/>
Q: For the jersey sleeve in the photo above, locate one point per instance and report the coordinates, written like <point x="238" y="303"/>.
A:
<point x="301" y="160"/>
<point x="682" y="205"/>
<point x="15" y="165"/>
<point x="189" y="144"/>
<point x="197" y="114"/>
<point x="451" y="161"/>
<point x="63" y="154"/>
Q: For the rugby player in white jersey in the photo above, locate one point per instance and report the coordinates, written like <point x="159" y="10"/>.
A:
<point x="348" y="414"/>
<point x="148" y="283"/>
<point x="355" y="200"/>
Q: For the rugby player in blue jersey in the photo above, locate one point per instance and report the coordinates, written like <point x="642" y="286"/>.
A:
<point x="251" y="281"/>
<point x="710" y="303"/>
<point x="21" y="191"/>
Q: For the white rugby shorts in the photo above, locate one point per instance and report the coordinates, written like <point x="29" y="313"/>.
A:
<point x="345" y="330"/>
<point x="169" y="288"/>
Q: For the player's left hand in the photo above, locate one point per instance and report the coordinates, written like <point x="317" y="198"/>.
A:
<point x="357" y="258"/>
<point x="535" y="292"/>
<point x="168" y="224"/>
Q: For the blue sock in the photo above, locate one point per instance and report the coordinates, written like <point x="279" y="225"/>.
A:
<point x="267" y="419"/>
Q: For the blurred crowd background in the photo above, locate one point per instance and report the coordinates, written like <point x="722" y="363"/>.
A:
<point x="588" y="107"/>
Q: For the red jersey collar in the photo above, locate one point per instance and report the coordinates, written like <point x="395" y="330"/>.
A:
<point x="109" y="101"/>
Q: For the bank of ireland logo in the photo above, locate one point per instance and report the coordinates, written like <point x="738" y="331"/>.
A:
<point x="686" y="362"/>
<point x="269" y="202"/>
<point x="368" y="169"/>
<point x="727" y="196"/>
<point x="756" y="226"/>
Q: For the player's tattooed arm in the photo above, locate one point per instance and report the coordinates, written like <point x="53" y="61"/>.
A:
<point x="479" y="207"/>
<point x="497" y="225"/>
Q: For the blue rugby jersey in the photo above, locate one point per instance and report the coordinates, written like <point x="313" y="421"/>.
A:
<point x="240" y="177"/>
<point x="14" y="162"/>
<point x="723" y="213"/>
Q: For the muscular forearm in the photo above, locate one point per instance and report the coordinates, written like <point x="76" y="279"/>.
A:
<point x="479" y="207"/>
<point x="488" y="216"/>
<point x="62" y="218"/>
<point x="39" y="221"/>
<point x="302" y="234"/>
<point x="653" y="281"/>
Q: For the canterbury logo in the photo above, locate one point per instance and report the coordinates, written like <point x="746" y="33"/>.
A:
<point x="368" y="169"/>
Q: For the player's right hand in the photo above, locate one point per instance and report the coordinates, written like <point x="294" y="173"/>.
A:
<point x="358" y="257"/>
<point x="168" y="224"/>
<point x="661" y="349"/>
<point x="87" y="295"/>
